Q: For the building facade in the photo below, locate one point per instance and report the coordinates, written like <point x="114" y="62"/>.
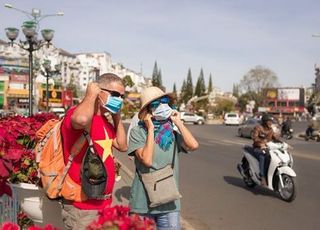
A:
<point x="75" y="71"/>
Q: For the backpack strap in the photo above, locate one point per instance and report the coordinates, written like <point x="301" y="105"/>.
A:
<point x="75" y="150"/>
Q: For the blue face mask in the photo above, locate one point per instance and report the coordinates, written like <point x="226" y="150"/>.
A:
<point x="113" y="104"/>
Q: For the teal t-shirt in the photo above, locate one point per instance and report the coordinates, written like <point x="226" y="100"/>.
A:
<point x="138" y="198"/>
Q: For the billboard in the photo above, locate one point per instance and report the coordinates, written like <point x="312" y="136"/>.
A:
<point x="55" y="96"/>
<point x="289" y="94"/>
<point x="271" y="93"/>
<point x="19" y="78"/>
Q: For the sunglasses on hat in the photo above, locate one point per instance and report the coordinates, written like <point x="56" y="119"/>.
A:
<point x="113" y="93"/>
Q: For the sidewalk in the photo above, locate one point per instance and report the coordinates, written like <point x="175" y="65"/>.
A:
<point x="121" y="192"/>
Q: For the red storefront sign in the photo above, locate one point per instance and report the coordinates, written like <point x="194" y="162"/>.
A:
<point x="19" y="78"/>
<point x="67" y="98"/>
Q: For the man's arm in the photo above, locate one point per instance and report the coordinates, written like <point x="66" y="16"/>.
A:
<point x="83" y="114"/>
<point x="257" y="141"/>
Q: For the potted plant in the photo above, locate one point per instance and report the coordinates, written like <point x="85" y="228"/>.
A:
<point x="19" y="176"/>
<point x="17" y="140"/>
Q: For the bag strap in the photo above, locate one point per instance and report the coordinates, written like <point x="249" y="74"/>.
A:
<point x="87" y="136"/>
<point x="75" y="150"/>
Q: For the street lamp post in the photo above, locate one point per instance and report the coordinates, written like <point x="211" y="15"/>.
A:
<point x="31" y="44"/>
<point x="49" y="73"/>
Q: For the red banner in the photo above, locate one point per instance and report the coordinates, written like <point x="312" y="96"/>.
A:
<point x="67" y="98"/>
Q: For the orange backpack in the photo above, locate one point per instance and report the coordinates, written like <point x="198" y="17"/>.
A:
<point x="54" y="175"/>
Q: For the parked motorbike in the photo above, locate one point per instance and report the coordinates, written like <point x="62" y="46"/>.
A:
<point x="315" y="136"/>
<point x="280" y="176"/>
<point x="287" y="134"/>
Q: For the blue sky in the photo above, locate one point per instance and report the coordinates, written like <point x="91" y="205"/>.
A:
<point x="224" y="37"/>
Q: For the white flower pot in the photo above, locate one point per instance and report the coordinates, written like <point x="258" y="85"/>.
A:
<point x="34" y="202"/>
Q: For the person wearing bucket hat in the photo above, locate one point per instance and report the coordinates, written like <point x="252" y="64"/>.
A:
<point x="152" y="144"/>
<point x="93" y="168"/>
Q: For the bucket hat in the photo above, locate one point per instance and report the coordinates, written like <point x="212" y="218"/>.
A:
<point x="150" y="94"/>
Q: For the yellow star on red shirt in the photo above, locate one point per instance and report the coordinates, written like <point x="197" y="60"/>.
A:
<point x="106" y="144"/>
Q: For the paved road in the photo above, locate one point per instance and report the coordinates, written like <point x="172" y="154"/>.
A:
<point x="214" y="196"/>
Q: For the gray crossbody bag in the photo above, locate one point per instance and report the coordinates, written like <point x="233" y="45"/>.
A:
<point x="160" y="185"/>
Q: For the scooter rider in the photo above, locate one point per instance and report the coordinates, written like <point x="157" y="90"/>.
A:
<point x="261" y="135"/>
<point x="313" y="126"/>
<point x="286" y="125"/>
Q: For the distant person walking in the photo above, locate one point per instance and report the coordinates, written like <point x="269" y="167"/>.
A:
<point x="152" y="143"/>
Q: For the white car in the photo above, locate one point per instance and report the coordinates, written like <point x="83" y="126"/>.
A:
<point x="192" y="118"/>
<point x="232" y="119"/>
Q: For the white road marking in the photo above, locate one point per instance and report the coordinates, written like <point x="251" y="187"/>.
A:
<point x="224" y="142"/>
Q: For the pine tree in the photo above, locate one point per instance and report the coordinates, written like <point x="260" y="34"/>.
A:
<point x="183" y="91"/>
<point x="174" y="88"/>
<point x="155" y="81"/>
<point x="235" y="90"/>
<point x="200" y="86"/>
<point x="189" y="87"/>
<point x="210" y="84"/>
<point x="160" y="78"/>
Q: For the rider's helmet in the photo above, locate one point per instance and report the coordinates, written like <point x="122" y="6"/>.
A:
<point x="265" y="118"/>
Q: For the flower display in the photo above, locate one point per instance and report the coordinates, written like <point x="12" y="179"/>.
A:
<point x="110" y="218"/>
<point x="13" y="226"/>
<point x="17" y="140"/>
<point x="118" y="218"/>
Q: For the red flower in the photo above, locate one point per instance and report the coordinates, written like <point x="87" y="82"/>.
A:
<point x="47" y="227"/>
<point x="5" y="188"/>
<point x="9" y="226"/>
<point x="118" y="217"/>
<point x="17" y="139"/>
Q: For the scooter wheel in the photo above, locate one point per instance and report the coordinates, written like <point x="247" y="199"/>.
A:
<point x="289" y="191"/>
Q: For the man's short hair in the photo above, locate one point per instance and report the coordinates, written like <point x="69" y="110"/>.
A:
<point x="108" y="78"/>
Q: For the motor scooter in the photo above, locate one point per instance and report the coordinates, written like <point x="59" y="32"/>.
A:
<point x="280" y="176"/>
<point x="314" y="136"/>
<point x="287" y="134"/>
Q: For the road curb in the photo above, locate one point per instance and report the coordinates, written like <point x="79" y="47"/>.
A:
<point x="184" y="224"/>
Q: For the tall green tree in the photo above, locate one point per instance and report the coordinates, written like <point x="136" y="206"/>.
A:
<point x="155" y="78"/>
<point x="210" y="87"/>
<point x="189" y="87"/>
<point x="183" y="92"/>
<point x="235" y="90"/>
<point x="160" y="78"/>
<point x="174" y="90"/>
<point x="200" y="86"/>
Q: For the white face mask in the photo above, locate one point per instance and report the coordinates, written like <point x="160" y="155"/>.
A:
<point x="162" y="112"/>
